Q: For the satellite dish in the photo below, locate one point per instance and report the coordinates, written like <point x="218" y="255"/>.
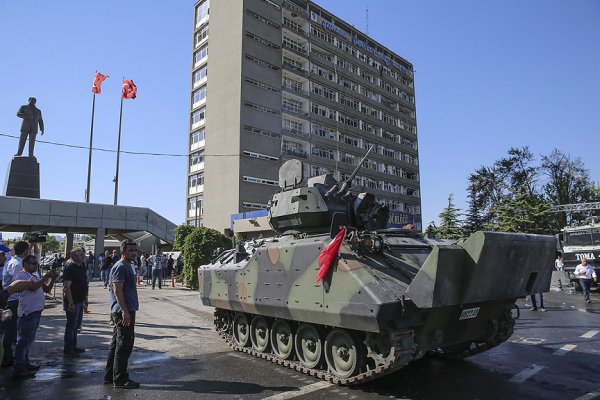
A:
<point x="291" y="174"/>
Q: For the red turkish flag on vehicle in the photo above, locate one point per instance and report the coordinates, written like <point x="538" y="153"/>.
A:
<point x="328" y="255"/>
<point x="98" y="79"/>
<point x="129" y="89"/>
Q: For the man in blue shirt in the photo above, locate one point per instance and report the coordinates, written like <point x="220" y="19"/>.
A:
<point x="123" y="305"/>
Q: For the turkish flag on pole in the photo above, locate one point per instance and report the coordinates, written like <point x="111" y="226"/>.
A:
<point x="328" y="255"/>
<point x="129" y="89"/>
<point x="98" y="79"/>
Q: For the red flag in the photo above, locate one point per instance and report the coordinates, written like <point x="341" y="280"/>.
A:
<point x="129" y="89"/>
<point x="328" y="255"/>
<point x="98" y="79"/>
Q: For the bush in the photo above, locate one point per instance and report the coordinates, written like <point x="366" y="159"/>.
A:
<point x="181" y="232"/>
<point x="198" y="250"/>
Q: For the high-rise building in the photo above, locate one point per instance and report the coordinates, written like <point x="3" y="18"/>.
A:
<point x="280" y="79"/>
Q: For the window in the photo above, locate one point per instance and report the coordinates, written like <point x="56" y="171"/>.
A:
<point x="263" y="19"/>
<point x="196" y="158"/>
<point x="196" y="203"/>
<point x="199" y="115"/>
<point x="261" y="181"/>
<point x="197" y="136"/>
<point x="200" y="54"/>
<point x="202" y="11"/>
<point x="262" y="63"/>
<point x="199" y="75"/>
<point x="294" y="45"/>
<point x="292" y="126"/>
<point x="196" y="180"/>
<point x="261" y="108"/>
<point x="323" y="153"/>
<point x="324" y="132"/>
<point x="292" y="85"/>
<point x="260" y="156"/>
<point x="258" y="131"/>
<point x="294" y="106"/>
<point x="262" y="41"/>
<point x="258" y="206"/>
<point x="293" y="148"/>
<point x="261" y="85"/>
<point x="199" y="95"/>
<point x="202" y="34"/>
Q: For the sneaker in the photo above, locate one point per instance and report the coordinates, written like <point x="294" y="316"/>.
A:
<point x="533" y="309"/>
<point x="33" y="367"/>
<point x="588" y="301"/>
<point x="542" y="309"/>
<point x="127" y="385"/>
<point x="79" y="350"/>
<point x="71" y="354"/>
<point x="22" y="372"/>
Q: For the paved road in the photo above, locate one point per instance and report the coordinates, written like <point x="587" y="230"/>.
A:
<point x="177" y="355"/>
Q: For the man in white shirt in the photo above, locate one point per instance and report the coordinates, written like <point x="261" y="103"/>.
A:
<point x="586" y="273"/>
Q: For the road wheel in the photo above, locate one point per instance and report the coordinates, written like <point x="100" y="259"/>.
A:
<point x="308" y="345"/>
<point x="222" y="321"/>
<point x="241" y="330"/>
<point x="259" y="333"/>
<point x="342" y="353"/>
<point x="282" y="339"/>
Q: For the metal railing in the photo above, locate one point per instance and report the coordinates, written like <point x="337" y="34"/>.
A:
<point x="295" y="153"/>
<point x="294" y="88"/>
<point x="294" y="8"/>
<point x="294" y="131"/>
<point x="295" y="68"/>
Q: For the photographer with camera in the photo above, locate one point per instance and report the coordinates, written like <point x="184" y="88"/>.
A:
<point x="31" y="305"/>
<point x="14" y="266"/>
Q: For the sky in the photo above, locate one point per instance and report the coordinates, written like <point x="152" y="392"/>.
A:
<point x="488" y="76"/>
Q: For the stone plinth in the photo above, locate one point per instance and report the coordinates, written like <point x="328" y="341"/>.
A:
<point x="23" y="178"/>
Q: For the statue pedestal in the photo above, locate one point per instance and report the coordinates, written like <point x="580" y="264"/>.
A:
<point x="23" y="178"/>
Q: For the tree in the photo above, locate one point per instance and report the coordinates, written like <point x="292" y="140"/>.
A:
<point x="450" y="225"/>
<point x="198" y="250"/>
<point x="181" y="232"/>
<point x="523" y="212"/>
<point x="431" y="229"/>
<point x="568" y="182"/>
<point x="485" y="190"/>
<point x="51" y="245"/>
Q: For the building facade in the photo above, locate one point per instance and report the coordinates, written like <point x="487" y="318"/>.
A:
<point x="280" y="79"/>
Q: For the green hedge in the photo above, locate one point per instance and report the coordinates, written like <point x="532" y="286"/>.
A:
<point x="198" y="248"/>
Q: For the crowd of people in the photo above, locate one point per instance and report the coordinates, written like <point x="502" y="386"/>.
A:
<point x="22" y="301"/>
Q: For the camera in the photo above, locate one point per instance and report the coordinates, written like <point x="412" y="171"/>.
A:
<point x="37" y="237"/>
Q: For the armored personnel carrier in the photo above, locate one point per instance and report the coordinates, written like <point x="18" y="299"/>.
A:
<point x="391" y="295"/>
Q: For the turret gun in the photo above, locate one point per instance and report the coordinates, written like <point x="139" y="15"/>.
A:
<point x="346" y="184"/>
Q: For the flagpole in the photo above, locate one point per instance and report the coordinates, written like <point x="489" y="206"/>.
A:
<point x="118" y="152"/>
<point x="87" y="191"/>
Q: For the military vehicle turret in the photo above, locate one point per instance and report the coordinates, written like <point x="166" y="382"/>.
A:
<point x="390" y="297"/>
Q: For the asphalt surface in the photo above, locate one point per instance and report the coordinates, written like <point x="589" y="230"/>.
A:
<point x="552" y="355"/>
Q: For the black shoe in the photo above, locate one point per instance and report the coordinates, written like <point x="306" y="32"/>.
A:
<point x="127" y="385"/>
<point x="533" y="309"/>
<point x="588" y="301"/>
<point x="33" y="367"/>
<point x="71" y="354"/>
<point x="79" y="350"/>
<point x="108" y="382"/>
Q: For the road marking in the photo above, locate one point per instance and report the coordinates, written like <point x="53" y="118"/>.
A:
<point x="564" y="350"/>
<point x="590" y="334"/>
<point x="301" y="391"/>
<point x="590" y="395"/>
<point x="526" y="373"/>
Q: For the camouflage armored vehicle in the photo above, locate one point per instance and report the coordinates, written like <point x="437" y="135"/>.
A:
<point x="390" y="297"/>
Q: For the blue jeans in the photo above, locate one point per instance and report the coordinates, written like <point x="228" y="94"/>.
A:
<point x="27" y="326"/>
<point x="105" y="274"/>
<point x="157" y="274"/>
<point x="533" y="300"/>
<point x="585" y="285"/>
<point x="10" y="332"/>
<point x="73" y="322"/>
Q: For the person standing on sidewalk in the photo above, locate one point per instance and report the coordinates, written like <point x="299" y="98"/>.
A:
<point x="75" y="293"/>
<point x="158" y="264"/>
<point x="585" y="272"/>
<point x="123" y="307"/>
<point x="31" y="305"/>
<point x="13" y="267"/>
<point x="107" y="263"/>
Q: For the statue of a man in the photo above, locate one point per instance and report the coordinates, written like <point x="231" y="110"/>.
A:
<point x="32" y="117"/>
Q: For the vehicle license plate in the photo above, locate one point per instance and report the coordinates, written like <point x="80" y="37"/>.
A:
<point x="469" y="313"/>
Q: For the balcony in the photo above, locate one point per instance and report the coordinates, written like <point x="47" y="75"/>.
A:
<point x="294" y="8"/>
<point x="294" y="153"/>
<point x="294" y="131"/>
<point x="294" y="110"/>
<point x="294" y="89"/>
<point x="296" y="48"/>
<point x="293" y="27"/>
<point x="295" y="68"/>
